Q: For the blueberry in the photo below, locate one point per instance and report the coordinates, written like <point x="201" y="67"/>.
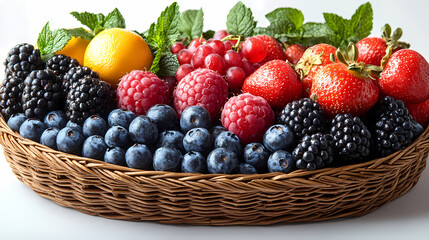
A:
<point x="143" y="130"/>
<point x="74" y="125"/>
<point x="171" y="138"/>
<point x="194" y="162"/>
<point x="115" y="156"/>
<point x="216" y="130"/>
<point x="194" y="117"/>
<point x="16" y="120"/>
<point x="256" y="155"/>
<point x="94" y="147"/>
<point x="70" y="140"/>
<point x="164" y="116"/>
<point x="49" y="137"/>
<point x="281" y="161"/>
<point x="246" y="168"/>
<point x="167" y="159"/>
<point x="416" y="128"/>
<point x="116" y="136"/>
<point x="229" y="141"/>
<point x="139" y="156"/>
<point x="120" y="117"/>
<point x="94" y="125"/>
<point x="222" y="160"/>
<point x="55" y="119"/>
<point x="198" y="140"/>
<point x="32" y="128"/>
<point x="279" y="137"/>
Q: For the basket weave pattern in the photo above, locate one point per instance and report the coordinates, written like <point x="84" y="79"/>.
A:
<point x="116" y="192"/>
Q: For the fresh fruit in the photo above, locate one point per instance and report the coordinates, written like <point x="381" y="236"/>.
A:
<point x="32" y="129"/>
<point x="42" y="93"/>
<point x="281" y="161"/>
<point x="294" y="52"/>
<point x="183" y="70"/>
<point x="232" y="59"/>
<point x="94" y="147"/>
<point x="195" y="44"/>
<point x="314" y="152"/>
<point x="74" y="74"/>
<point x="216" y="130"/>
<point x="172" y="139"/>
<point x="55" y="119"/>
<point x="184" y="57"/>
<point x="406" y="77"/>
<point x="198" y="140"/>
<point x="217" y="46"/>
<point x="15" y="121"/>
<point x="202" y="87"/>
<point x="419" y="112"/>
<point x="276" y="82"/>
<point x="194" y="117"/>
<point x="303" y="117"/>
<point x="89" y="96"/>
<point x="200" y="55"/>
<point x="163" y="116"/>
<point x="254" y="49"/>
<point x="279" y="137"/>
<point x="143" y="130"/>
<point x="171" y="82"/>
<point x="115" y="156"/>
<point x="235" y="77"/>
<point x="194" y="162"/>
<point x="140" y="90"/>
<point x="10" y="96"/>
<point x="247" y="116"/>
<point x="94" y="125"/>
<point x="245" y="168"/>
<point x="60" y="65"/>
<point x="215" y="62"/>
<point x="120" y="117"/>
<point x="75" y="49"/>
<point x="256" y="155"/>
<point x="115" y="52"/>
<point x="167" y="159"/>
<point x="220" y="34"/>
<point x="74" y="125"/>
<point x="176" y="47"/>
<point x="139" y="156"/>
<point x="49" y="137"/>
<point x="21" y="60"/>
<point x="274" y="49"/>
<point x="221" y="160"/>
<point x="117" y="136"/>
<point x="70" y="140"/>
<point x="230" y="141"/>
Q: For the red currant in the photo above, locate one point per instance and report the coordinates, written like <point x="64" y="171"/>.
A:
<point x="183" y="70"/>
<point x="176" y="47"/>
<point x="215" y="62"/>
<point x="254" y="49"/>
<point x="195" y="44"/>
<point x="235" y="77"/>
<point x="247" y="67"/>
<point x="220" y="34"/>
<point x="200" y="54"/>
<point x="228" y="45"/>
<point x="217" y="46"/>
<point x="232" y="58"/>
<point x="184" y="56"/>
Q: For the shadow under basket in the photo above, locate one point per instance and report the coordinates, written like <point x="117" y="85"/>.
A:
<point x="110" y="191"/>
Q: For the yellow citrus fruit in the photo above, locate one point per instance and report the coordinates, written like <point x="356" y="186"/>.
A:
<point x="75" y="49"/>
<point x="115" y="52"/>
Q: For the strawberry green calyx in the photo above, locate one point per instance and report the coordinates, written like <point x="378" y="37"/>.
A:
<point x="238" y="38"/>
<point x="392" y="42"/>
<point x="307" y="62"/>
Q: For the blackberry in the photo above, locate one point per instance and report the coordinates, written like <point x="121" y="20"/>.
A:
<point x="313" y="152"/>
<point x="10" y="96"/>
<point x="89" y="96"/>
<point x="21" y="60"/>
<point x="351" y="138"/>
<point x="303" y="116"/>
<point x="394" y="128"/>
<point x="74" y="74"/>
<point x="42" y="93"/>
<point x="61" y="64"/>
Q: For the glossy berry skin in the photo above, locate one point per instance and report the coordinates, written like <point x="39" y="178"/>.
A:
<point x="10" y="96"/>
<point x="339" y="90"/>
<point x="235" y="77"/>
<point x="406" y="77"/>
<point x="55" y="119"/>
<point x="49" y="137"/>
<point x="16" y="120"/>
<point x="117" y="136"/>
<point x="245" y="168"/>
<point x="183" y="70"/>
<point x="194" y="162"/>
<point x="256" y="155"/>
<point x="202" y="87"/>
<point x="274" y="49"/>
<point x="198" y="140"/>
<point x="176" y="47"/>
<point x="248" y="117"/>
<point x="163" y="116"/>
<point x="139" y="156"/>
<point x="115" y="156"/>
<point x="94" y="125"/>
<point x="195" y="44"/>
<point x="371" y="50"/>
<point x="70" y="140"/>
<point x="32" y="129"/>
<point x="216" y="130"/>
<point x="420" y="112"/>
<point x="172" y="139"/>
<point x="276" y="82"/>
<point x="120" y="117"/>
<point x="200" y="55"/>
<point x="61" y="64"/>
<point x="314" y="152"/>
<point x="167" y="159"/>
<point x="21" y="60"/>
<point x="143" y="130"/>
<point x="294" y="52"/>
<point x="215" y="62"/>
<point x="140" y="90"/>
<point x="417" y="129"/>
<point x="232" y="59"/>
<point x="230" y="141"/>
<point x="74" y="125"/>
<point x="281" y="161"/>
<point x="195" y="117"/>
<point x="254" y="49"/>
<point x="220" y="34"/>
<point x="184" y="57"/>
<point x="171" y="82"/>
<point x="94" y="147"/>
<point x="221" y="160"/>
<point x="279" y="137"/>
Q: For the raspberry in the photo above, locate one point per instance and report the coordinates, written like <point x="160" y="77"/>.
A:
<point x="202" y="87"/>
<point x="247" y="116"/>
<point x="140" y="90"/>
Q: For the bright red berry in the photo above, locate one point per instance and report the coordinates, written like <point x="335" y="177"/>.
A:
<point x="294" y="52"/>
<point x="371" y="50"/>
<point x="200" y="54"/>
<point x="274" y="49"/>
<point x="235" y="77"/>
<point x="247" y="116"/>
<point x="176" y="47"/>
<point x="419" y="112"/>
<point x="218" y="35"/>
<point x="217" y="46"/>
<point x="195" y="44"/>
<point x="184" y="56"/>
<point x="228" y="45"/>
<point x="202" y="87"/>
<point x="140" y="90"/>
<point x="183" y="70"/>
<point x="215" y="62"/>
<point x="254" y="49"/>
<point x="171" y="83"/>
<point x="232" y="59"/>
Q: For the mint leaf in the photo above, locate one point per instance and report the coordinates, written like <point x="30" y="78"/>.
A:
<point x="279" y="29"/>
<point x="88" y="19"/>
<point x="98" y="22"/>
<point x="361" y="22"/>
<point x="312" y="33"/>
<point x="338" y="24"/>
<point x="49" y="42"/>
<point x="80" y="32"/>
<point x="288" y="15"/>
<point x="191" y="23"/>
<point x="240" y="21"/>
<point x="208" y="34"/>
<point x="114" y="20"/>
<point x="168" y="65"/>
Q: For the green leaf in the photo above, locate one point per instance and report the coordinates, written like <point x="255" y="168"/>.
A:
<point x="279" y="29"/>
<point x="208" y="34"/>
<point x="168" y="65"/>
<point x="240" y="21"/>
<point x="287" y="15"/>
<point x="155" y="63"/>
<point x="49" y="42"/>
<point x="80" y="32"/>
<point x="336" y="23"/>
<point x="191" y="23"/>
<point x="114" y="20"/>
<point x="88" y="19"/>
<point x="361" y="21"/>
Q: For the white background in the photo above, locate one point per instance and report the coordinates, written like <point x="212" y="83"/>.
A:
<point x="25" y="215"/>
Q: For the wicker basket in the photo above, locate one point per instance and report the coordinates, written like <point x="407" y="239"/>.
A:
<point x="97" y="188"/>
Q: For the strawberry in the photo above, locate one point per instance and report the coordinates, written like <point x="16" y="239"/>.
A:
<point x="406" y="77"/>
<point x="274" y="49"/>
<point x="294" y="52"/>
<point x="345" y="87"/>
<point x="419" y="112"/>
<point x="313" y="59"/>
<point x="275" y="81"/>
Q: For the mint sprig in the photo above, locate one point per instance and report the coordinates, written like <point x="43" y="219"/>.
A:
<point x="98" y="22"/>
<point x="240" y="20"/>
<point x="191" y="24"/>
<point x="49" y="42"/>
